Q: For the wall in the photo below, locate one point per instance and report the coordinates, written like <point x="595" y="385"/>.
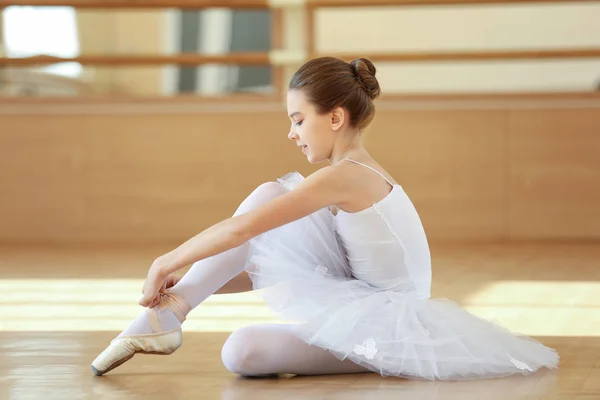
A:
<point x="469" y="28"/>
<point x="146" y="172"/>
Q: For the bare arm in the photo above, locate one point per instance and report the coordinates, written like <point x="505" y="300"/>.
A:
<point x="319" y="190"/>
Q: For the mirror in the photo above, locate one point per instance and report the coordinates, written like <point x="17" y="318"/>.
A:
<point x="65" y="32"/>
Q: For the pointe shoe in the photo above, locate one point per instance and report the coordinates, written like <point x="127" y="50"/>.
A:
<point x="123" y="348"/>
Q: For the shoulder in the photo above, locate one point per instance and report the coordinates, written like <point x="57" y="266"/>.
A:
<point x="335" y="180"/>
<point x="335" y="176"/>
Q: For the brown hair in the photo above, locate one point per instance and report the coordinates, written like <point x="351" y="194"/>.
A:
<point x="329" y="82"/>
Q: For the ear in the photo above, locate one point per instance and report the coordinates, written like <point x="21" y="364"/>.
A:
<point x="337" y="118"/>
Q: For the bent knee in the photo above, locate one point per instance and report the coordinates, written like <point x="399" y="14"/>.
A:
<point x="270" y="190"/>
<point x="261" y="195"/>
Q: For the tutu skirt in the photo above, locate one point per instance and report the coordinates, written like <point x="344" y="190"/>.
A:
<point x="306" y="279"/>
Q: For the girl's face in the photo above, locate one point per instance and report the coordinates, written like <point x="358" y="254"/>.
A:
<point x="314" y="133"/>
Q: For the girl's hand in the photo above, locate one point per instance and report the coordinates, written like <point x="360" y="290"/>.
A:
<point x="170" y="281"/>
<point x="157" y="282"/>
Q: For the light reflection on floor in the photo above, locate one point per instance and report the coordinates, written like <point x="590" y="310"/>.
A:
<point x="536" y="308"/>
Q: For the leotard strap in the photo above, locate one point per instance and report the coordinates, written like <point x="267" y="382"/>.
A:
<point x="371" y="168"/>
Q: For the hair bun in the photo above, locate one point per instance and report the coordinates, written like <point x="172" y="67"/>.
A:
<point x="365" y="73"/>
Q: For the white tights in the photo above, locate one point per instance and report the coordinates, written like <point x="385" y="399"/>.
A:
<point x="258" y="350"/>
<point x="253" y="350"/>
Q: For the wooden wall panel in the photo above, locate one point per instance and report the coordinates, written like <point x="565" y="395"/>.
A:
<point x="133" y="178"/>
<point x="130" y="177"/>
<point x="554" y="174"/>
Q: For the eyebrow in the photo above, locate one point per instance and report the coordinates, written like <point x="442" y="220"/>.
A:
<point x="292" y="115"/>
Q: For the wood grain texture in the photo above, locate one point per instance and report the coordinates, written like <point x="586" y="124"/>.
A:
<point x="554" y="173"/>
<point x="109" y="174"/>
<point x="549" y="292"/>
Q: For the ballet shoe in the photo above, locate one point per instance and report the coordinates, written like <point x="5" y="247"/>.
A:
<point x="123" y="348"/>
<point x="161" y="342"/>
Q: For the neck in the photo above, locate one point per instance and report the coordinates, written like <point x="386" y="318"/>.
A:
<point x="346" y="148"/>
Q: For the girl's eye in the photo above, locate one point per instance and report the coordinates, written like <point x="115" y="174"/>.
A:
<point x="298" y="123"/>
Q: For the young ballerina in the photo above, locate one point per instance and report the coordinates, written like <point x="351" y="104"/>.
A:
<point x="341" y="253"/>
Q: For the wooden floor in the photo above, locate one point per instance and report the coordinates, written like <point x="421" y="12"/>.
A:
<point x="60" y="307"/>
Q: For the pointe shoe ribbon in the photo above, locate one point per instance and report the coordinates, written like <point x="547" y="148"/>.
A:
<point x="175" y="304"/>
<point x="123" y="348"/>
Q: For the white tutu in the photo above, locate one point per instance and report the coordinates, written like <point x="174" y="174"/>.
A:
<point x="306" y="278"/>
